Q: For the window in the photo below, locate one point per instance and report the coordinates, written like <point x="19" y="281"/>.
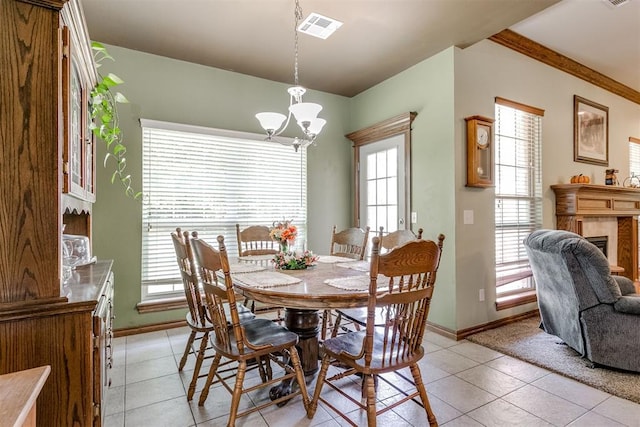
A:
<point x="207" y="180"/>
<point x="634" y="157"/>
<point x="518" y="200"/>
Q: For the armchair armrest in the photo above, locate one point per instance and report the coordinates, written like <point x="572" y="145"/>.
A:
<point x="628" y="304"/>
<point x="625" y="285"/>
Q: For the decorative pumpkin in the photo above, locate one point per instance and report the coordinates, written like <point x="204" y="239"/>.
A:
<point x="580" y="179"/>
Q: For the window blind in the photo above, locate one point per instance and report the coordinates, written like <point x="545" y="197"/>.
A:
<point x="207" y="180"/>
<point x="634" y="156"/>
<point x="518" y="200"/>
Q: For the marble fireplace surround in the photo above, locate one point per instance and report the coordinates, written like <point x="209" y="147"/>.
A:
<point x="602" y="210"/>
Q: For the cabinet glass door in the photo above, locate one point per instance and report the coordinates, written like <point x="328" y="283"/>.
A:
<point x="76" y="140"/>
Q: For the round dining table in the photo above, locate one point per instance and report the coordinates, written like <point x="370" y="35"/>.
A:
<point x="332" y="283"/>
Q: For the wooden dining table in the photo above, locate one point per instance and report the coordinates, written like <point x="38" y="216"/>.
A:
<point x="332" y="283"/>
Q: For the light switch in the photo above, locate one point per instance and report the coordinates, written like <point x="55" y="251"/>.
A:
<point x="468" y="217"/>
<point x="414" y="217"/>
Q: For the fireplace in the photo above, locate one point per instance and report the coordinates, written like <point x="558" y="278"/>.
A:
<point x="600" y="242"/>
<point x="576" y="203"/>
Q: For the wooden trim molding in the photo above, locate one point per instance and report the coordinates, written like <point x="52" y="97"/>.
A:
<point x="400" y="124"/>
<point x="393" y="126"/>
<point x="49" y="4"/>
<point x="463" y="333"/>
<point x="161" y="305"/>
<point x="634" y="140"/>
<point x="528" y="47"/>
<point x="516" y="300"/>
<point x="519" y="106"/>
<point x="123" y="332"/>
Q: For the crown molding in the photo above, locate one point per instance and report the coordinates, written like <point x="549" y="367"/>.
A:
<point x="535" y="50"/>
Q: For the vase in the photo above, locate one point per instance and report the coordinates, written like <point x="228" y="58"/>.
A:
<point x="284" y="247"/>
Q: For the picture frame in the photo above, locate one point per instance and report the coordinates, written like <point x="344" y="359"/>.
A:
<point x="590" y="132"/>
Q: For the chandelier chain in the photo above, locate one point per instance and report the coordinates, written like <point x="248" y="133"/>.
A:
<point x="298" y="17"/>
<point x="304" y="113"/>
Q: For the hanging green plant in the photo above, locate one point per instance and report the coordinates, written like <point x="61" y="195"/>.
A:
<point x="105" y="123"/>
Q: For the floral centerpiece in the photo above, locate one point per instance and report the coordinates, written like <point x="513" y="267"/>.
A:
<point x="284" y="233"/>
<point x="293" y="261"/>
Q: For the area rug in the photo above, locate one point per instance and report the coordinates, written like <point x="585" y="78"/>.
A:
<point x="524" y="340"/>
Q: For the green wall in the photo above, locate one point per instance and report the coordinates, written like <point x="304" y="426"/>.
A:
<point x="166" y="89"/>
<point x="427" y="89"/>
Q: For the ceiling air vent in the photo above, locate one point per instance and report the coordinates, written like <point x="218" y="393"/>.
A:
<point x="616" y="3"/>
<point x="319" y="26"/>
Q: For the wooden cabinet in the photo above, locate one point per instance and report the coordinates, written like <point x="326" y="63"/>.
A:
<point x="72" y="337"/>
<point x="47" y="72"/>
<point x="78" y="78"/>
<point x="102" y="346"/>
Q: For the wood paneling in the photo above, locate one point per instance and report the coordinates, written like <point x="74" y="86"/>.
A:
<point x="61" y="341"/>
<point x="30" y="175"/>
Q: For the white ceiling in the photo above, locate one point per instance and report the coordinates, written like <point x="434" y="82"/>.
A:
<point x="378" y="39"/>
<point x="594" y="33"/>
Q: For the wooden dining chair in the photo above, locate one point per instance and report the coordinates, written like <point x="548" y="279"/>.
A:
<point x="400" y="290"/>
<point x="196" y="316"/>
<point x="354" y="318"/>
<point x="348" y="243"/>
<point x="357" y="316"/>
<point x="396" y="238"/>
<point x="256" y="240"/>
<point x="253" y="340"/>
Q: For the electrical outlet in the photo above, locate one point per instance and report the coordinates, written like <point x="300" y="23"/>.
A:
<point x="414" y="217"/>
<point x="481" y="295"/>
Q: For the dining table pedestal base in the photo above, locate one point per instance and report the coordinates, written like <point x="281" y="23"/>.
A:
<point x="306" y="324"/>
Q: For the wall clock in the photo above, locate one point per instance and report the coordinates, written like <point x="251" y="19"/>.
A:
<point x="479" y="151"/>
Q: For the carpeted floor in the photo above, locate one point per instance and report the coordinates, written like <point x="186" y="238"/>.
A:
<point x="526" y="341"/>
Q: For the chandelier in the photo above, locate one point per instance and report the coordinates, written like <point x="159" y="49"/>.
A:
<point x="304" y="113"/>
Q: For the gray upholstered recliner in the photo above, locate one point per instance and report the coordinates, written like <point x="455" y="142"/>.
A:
<point x="593" y="312"/>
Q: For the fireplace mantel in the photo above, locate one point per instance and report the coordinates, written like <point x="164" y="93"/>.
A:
<point x="574" y="202"/>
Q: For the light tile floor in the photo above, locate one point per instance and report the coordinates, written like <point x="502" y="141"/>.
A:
<point x="468" y="385"/>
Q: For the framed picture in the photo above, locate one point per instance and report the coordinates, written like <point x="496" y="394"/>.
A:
<point x="590" y="132"/>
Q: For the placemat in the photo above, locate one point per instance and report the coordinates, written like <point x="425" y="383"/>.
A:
<point x="330" y="259"/>
<point x="256" y="257"/>
<point x="265" y="279"/>
<point x="245" y="268"/>
<point x="357" y="283"/>
<point x="357" y="265"/>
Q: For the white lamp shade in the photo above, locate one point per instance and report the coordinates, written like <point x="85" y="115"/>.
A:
<point x="316" y="126"/>
<point x="305" y="111"/>
<point x="271" y="121"/>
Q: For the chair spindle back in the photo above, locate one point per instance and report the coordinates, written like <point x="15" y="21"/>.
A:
<point x="350" y="242"/>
